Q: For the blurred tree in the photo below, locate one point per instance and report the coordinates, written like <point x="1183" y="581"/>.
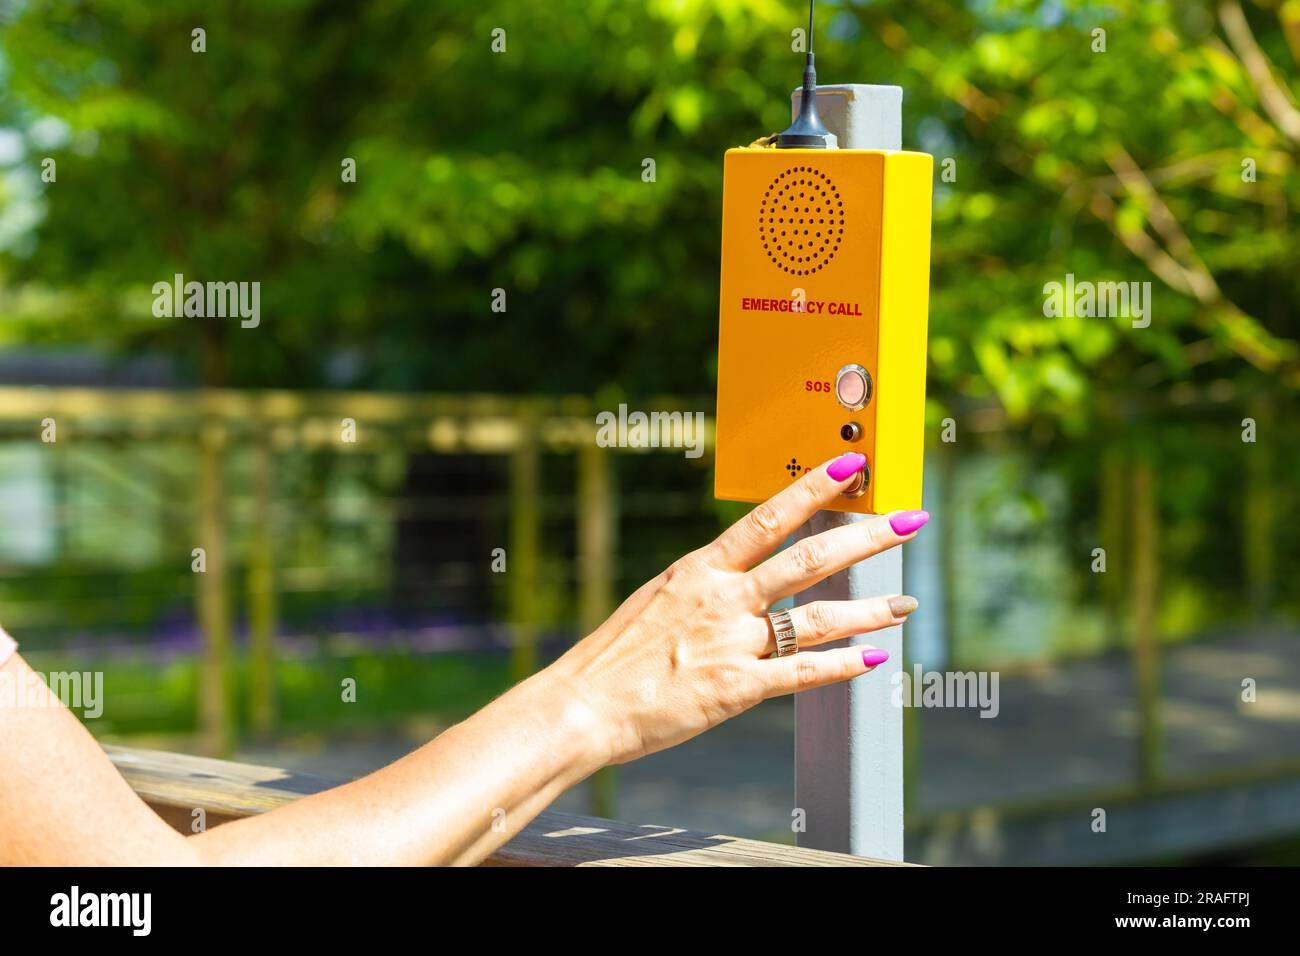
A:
<point x="501" y="145"/>
<point x="1135" y="141"/>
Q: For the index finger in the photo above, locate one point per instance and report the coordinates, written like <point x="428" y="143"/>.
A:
<point x="760" y="532"/>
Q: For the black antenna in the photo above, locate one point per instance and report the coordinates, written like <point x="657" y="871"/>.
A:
<point x="807" y="131"/>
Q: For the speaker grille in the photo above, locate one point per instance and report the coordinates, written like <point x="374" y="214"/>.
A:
<point x="801" y="220"/>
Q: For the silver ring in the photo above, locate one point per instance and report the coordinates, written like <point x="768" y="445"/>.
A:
<point x="787" y="642"/>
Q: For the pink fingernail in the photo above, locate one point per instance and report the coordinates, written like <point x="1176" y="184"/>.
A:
<point x="846" y="465"/>
<point x="873" y="656"/>
<point x="905" y="522"/>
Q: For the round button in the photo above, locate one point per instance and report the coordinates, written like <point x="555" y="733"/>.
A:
<point x="858" y="488"/>
<point x="853" y="387"/>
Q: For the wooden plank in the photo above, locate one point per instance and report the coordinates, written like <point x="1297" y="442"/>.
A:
<point x="597" y="532"/>
<point x="472" y="423"/>
<point x="523" y="560"/>
<point x="177" y="784"/>
<point x="564" y="839"/>
<point x="216" y="707"/>
<point x="261" y="590"/>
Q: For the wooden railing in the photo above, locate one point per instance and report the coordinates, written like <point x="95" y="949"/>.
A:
<point x="176" y="785"/>
<point x="273" y="428"/>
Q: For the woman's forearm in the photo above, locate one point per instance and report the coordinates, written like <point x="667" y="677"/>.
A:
<point x="688" y="650"/>
<point x="454" y="800"/>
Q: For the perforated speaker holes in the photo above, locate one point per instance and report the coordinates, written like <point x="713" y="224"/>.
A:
<point x="801" y="220"/>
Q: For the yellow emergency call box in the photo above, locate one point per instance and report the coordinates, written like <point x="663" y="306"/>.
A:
<point x="822" y="321"/>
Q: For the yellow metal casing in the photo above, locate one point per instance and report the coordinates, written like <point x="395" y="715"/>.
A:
<point x="825" y="263"/>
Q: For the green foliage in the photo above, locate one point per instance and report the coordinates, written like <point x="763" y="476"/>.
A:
<point x="521" y="170"/>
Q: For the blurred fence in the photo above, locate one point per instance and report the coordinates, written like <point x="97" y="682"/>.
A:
<point x="415" y="509"/>
<point x="435" y="522"/>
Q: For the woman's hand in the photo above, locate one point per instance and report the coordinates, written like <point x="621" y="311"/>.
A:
<point x="691" y="648"/>
<point x="685" y="652"/>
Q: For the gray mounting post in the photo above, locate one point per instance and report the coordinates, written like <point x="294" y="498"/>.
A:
<point x="848" y="750"/>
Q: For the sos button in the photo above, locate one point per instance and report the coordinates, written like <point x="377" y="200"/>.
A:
<point x="853" y="387"/>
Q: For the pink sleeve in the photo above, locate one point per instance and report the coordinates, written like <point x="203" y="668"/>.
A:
<point x="7" y="646"/>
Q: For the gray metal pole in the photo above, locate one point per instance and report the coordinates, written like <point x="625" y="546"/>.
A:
<point x="848" y="750"/>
